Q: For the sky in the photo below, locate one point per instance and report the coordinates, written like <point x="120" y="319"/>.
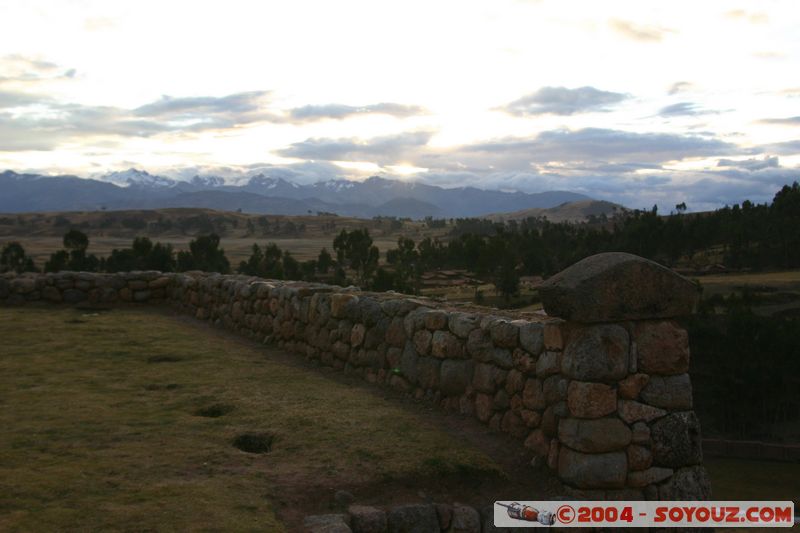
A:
<point x="641" y="103"/>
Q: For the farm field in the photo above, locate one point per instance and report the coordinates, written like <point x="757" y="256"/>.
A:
<point x="128" y="419"/>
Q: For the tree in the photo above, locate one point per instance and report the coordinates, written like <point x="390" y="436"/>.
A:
<point x="324" y="261"/>
<point x="14" y="259"/>
<point x="75" y="240"/>
<point x="355" y="249"/>
<point x="204" y="254"/>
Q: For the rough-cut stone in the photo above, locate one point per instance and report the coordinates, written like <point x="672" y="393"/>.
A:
<point x="532" y="419"/>
<point x="445" y="514"/>
<point x="73" y="296"/>
<point x="422" y="341"/>
<point x="617" y="286"/>
<point x="632" y="411"/>
<point x="396" y="333"/>
<point x="327" y="523"/>
<point x="513" y="425"/>
<point x="639" y="457"/>
<point x="357" y="335"/>
<point x="553" y="337"/>
<point x="590" y="400"/>
<point x="662" y="348"/>
<point x="502" y="358"/>
<point x="501" y="400"/>
<point x="456" y="376"/>
<point x="538" y="442"/>
<point x="691" y="483"/>
<point x="483" y="407"/>
<point x="597" y="353"/>
<point x="479" y="345"/>
<point x="531" y="336"/>
<point x="630" y="387"/>
<point x="446" y="345"/>
<point x="640" y="433"/>
<point x="549" y="363"/>
<point x="415" y="518"/>
<point x="340" y="302"/>
<point x="428" y="372"/>
<point x="515" y="382"/>
<point x="408" y="363"/>
<point x="465" y="520"/>
<point x="652" y="475"/>
<point x="435" y="320"/>
<point x="669" y="392"/>
<point x="461" y="324"/>
<point x="676" y="440"/>
<point x="592" y="471"/>
<point x="533" y="395"/>
<point x="365" y="519"/>
<point x="504" y="334"/>
<point x="484" y="379"/>
<point x="555" y="389"/>
<point x="594" y="436"/>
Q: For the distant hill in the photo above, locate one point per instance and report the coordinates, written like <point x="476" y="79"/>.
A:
<point x="263" y="194"/>
<point x="580" y="211"/>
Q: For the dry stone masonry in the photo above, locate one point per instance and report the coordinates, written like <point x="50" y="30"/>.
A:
<point x="598" y="390"/>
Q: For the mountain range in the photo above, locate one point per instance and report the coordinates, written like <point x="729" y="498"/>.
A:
<point x="375" y="196"/>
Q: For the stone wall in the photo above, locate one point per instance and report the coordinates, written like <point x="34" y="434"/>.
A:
<point x="598" y="391"/>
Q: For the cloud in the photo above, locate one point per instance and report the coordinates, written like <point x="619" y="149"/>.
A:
<point x="679" y="87"/>
<point x="683" y="109"/>
<point x="748" y="16"/>
<point x="770" y="55"/>
<point x="786" y="121"/>
<point x="638" y="32"/>
<point x="341" y="111"/>
<point x="381" y="150"/>
<point x="750" y="164"/>
<point x="42" y="124"/>
<point x="598" y="144"/>
<point x="206" y="112"/>
<point x="564" y="101"/>
<point x="782" y="148"/>
<point x="17" y="68"/>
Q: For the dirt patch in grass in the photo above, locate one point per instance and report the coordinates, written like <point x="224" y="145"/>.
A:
<point x="254" y="442"/>
<point x="93" y="442"/>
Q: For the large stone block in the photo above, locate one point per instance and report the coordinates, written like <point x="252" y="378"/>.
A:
<point x="461" y="324"/>
<point x="414" y="518"/>
<point x="690" y="483"/>
<point x="597" y="353"/>
<point x="663" y="348"/>
<point x="590" y="400"/>
<point x="446" y="345"/>
<point x="594" y="436"/>
<point x="533" y="395"/>
<point x="456" y="375"/>
<point x="592" y="471"/>
<point x="676" y="440"/>
<point x="669" y="392"/>
<point x="531" y="336"/>
<point x="617" y="286"/>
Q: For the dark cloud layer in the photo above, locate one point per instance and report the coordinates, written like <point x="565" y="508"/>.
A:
<point x="564" y="101"/>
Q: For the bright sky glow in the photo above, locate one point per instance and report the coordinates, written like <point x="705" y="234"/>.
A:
<point x="636" y="102"/>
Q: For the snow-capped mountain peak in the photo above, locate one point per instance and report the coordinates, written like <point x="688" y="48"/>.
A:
<point x="137" y="178"/>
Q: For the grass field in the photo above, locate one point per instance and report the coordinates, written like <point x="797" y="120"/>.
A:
<point x="103" y="429"/>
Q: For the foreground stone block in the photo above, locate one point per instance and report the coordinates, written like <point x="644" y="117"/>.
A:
<point x="365" y="519"/>
<point x="590" y="400"/>
<point x="416" y="518"/>
<point x="676" y="440"/>
<point x="592" y="471"/>
<point x="617" y="286"/>
<point x="594" y="436"/>
<point x="597" y="353"/>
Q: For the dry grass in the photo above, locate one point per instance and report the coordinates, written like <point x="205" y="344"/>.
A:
<point x="101" y="429"/>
